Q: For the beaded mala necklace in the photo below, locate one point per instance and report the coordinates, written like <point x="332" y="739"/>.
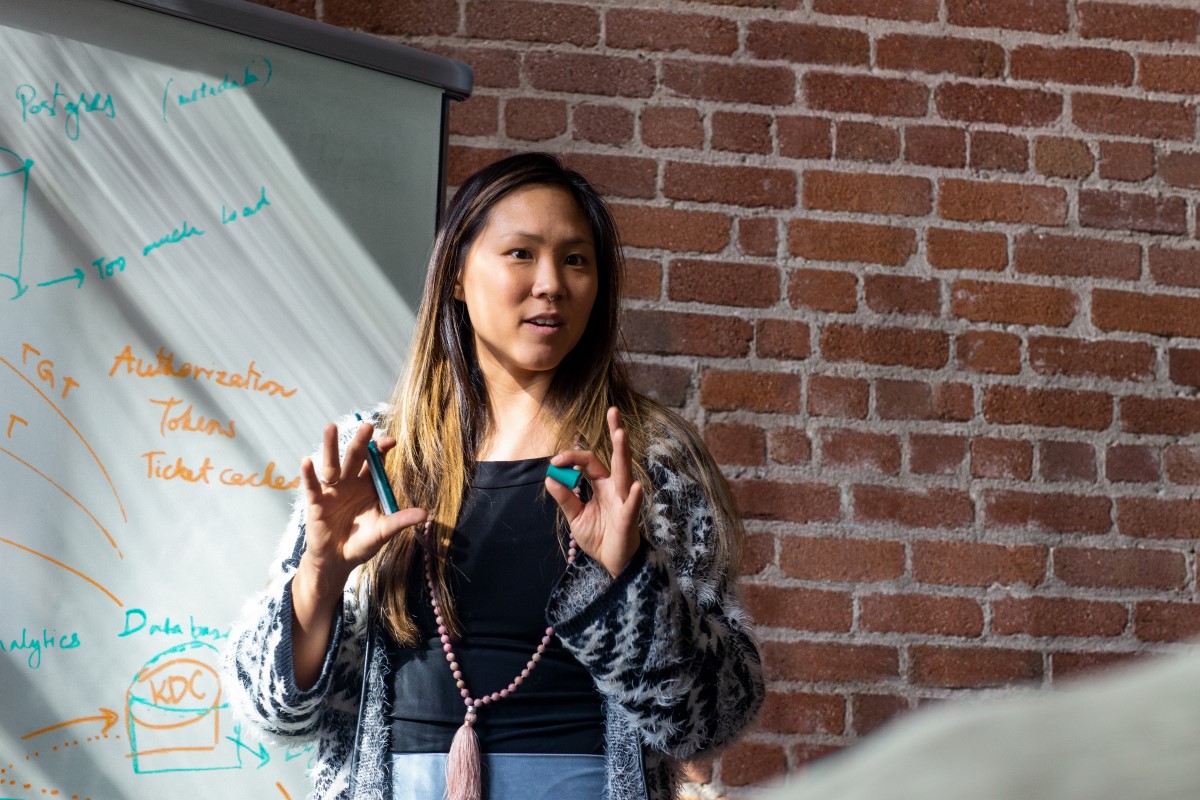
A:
<point x="463" y="779"/>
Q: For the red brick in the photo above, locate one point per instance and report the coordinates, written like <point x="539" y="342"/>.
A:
<point x="798" y="609"/>
<point x="804" y="137"/>
<point x="935" y="146"/>
<point x="642" y="279"/>
<point x="554" y="23"/>
<point x="978" y="564"/>
<point x="1161" y="314"/>
<point x="1060" y="157"/>
<point x="934" y="508"/>
<point x="1072" y="664"/>
<point x="1180" y="169"/>
<point x="921" y="349"/>
<point x="1091" y="66"/>
<point x="868" y="193"/>
<point x="670" y="333"/>
<point x="620" y="176"/>
<point x="1043" y="16"/>
<point x="823" y="290"/>
<point x="993" y="150"/>
<point x="1001" y="458"/>
<point x="302" y="8"/>
<point x="1178" y="416"/>
<point x="789" y="502"/>
<point x="1015" y="303"/>
<point x="971" y="667"/>
<point x="972" y="58"/>
<point x="851" y="241"/>
<point x="1120" y="361"/>
<point x="919" y="10"/>
<point x="1152" y="518"/>
<point x="742" y="186"/>
<point x="1178" y="74"/>
<point x="741" y="133"/>
<point x="400" y="18"/>
<point x="1132" y="116"/>
<point x="1067" y="461"/>
<point x="870" y="711"/>
<point x="1136" y="22"/>
<point x="866" y="141"/>
<point x="1159" y="621"/>
<point x="1183" y="464"/>
<point x="790" y="446"/>
<point x="602" y="124"/>
<point x="918" y="400"/>
<point x="768" y="392"/>
<point x="935" y="454"/>
<point x="1052" y="408"/>
<point x="1055" y="513"/>
<point x="1184" y="366"/>
<point x="585" y="73"/>
<point x="462" y="162"/>
<point x="668" y="385"/>
<point x="873" y="452"/>
<point x="841" y="559"/>
<point x="834" y="396"/>
<point x="831" y="662"/>
<point x="758" y="552"/>
<point x="1003" y="105"/>
<point x="730" y="443"/>
<point x="752" y="763"/>
<point x="807" y="44"/>
<point x="639" y="29"/>
<point x="948" y="248"/>
<point x="806" y="753"/>
<point x="494" y="67"/>
<point x="1076" y="256"/>
<point x="1120" y="569"/>
<point x="916" y="613"/>
<point x="802" y="712"/>
<point x="866" y="94"/>
<point x="1132" y="212"/>
<point x="723" y="283"/>
<point x="989" y="352"/>
<point x="1126" y="161"/>
<point x="903" y="294"/>
<point x="534" y="120"/>
<point x="477" y="116"/>
<point x="672" y="229"/>
<point x="779" y="338"/>
<point x="1131" y="463"/>
<point x="729" y="82"/>
<point x="992" y="201"/>
<point x="1057" y="616"/>
<point x="672" y="126"/>
<point x="756" y="236"/>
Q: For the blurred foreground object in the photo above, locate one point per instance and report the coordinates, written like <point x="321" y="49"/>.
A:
<point x="1125" y="733"/>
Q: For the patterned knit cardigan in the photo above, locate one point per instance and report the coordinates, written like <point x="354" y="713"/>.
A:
<point x="666" y="642"/>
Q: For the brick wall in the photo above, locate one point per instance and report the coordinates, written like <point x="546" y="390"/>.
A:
<point x="925" y="273"/>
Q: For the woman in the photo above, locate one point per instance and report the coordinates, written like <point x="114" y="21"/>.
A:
<point x="648" y="658"/>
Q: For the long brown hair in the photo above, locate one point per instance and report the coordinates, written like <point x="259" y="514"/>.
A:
<point x="439" y="411"/>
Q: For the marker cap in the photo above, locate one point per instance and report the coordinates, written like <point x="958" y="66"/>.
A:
<point x="567" y="476"/>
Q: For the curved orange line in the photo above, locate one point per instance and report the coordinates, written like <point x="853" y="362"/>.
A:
<point x="70" y="497"/>
<point x="100" y="463"/>
<point x="279" y="786"/>
<point x="71" y="570"/>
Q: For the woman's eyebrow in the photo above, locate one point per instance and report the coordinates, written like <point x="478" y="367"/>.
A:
<point x="537" y="238"/>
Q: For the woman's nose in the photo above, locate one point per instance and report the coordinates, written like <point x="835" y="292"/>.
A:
<point x="547" y="280"/>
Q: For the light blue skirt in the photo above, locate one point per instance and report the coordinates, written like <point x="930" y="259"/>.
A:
<point x="506" y="776"/>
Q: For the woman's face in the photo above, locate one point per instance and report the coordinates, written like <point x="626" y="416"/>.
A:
<point x="529" y="281"/>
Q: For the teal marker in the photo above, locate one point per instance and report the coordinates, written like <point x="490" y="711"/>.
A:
<point x="567" y="476"/>
<point x="379" y="477"/>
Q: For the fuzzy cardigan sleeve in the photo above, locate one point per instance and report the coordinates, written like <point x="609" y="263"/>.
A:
<point x="667" y="639"/>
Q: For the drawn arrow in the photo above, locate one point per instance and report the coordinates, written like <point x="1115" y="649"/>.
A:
<point x="77" y="276"/>
<point x="107" y="716"/>
<point x="261" y="753"/>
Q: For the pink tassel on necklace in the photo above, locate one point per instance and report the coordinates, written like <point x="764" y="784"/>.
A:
<point x="463" y="779"/>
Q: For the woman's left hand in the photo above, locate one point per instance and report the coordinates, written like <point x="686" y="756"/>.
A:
<point x="606" y="527"/>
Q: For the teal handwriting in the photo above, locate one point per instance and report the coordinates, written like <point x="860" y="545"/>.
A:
<point x="137" y="621"/>
<point x="105" y="268"/>
<point x="253" y="74"/>
<point x="46" y="640"/>
<point x="71" y="110"/>
<point x="174" y="237"/>
<point x="247" y="211"/>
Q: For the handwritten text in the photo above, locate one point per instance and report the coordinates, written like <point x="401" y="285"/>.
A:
<point x="72" y="110"/>
<point x="164" y="365"/>
<point x="35" y="644"/>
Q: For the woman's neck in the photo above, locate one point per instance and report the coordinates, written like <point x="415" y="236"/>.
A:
<point x="519" y="427"/>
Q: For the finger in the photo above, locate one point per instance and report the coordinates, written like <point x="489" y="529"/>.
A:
<point x="312" y="486"/>
<point x="567" y="500"/>
<point x="587" y="462"/>
<point x="356" y="452"/>
<point x="393" y="523"/>
<point x="622" y="469"/>
<point x="330" y="470"/>
<point x="633" y="502"/>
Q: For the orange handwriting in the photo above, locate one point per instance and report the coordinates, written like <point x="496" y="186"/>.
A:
<point x="183" y="421"/>
<point x="268" y="480"/>
<point x="45" y="370"/>
<point x="159" y="467"/>
<point x="155" y="468"/>
<point x="163" y="365"/>
<point x="13" y="419"/>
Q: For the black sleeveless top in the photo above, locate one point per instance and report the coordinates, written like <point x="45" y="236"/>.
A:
<point x="505" y="558"/>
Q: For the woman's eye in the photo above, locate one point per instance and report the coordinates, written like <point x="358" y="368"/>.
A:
<point x="520" y="253"/>
<point x="576" y="260"/>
